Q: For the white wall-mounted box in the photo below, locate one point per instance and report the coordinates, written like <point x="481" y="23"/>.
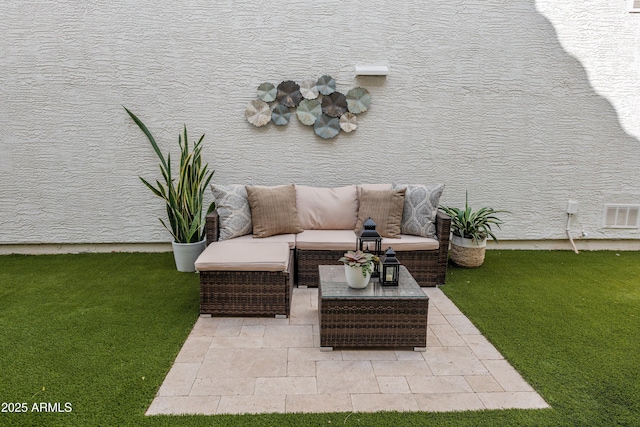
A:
<point x="372" y="70"/>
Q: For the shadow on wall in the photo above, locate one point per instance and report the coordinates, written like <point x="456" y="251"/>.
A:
<point x="513" y="114"/>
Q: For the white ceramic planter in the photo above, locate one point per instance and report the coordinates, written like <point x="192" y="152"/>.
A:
<point x="186" y="254"/>
<point x="467" y="252"/>
<point x="355" y="279"/>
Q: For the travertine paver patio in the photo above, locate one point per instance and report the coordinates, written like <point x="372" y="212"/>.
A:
<point x="262" y="365"/>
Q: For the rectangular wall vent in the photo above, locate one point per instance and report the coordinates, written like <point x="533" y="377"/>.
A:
<point x="634" y="6"/>
<point x="621" y="216"/>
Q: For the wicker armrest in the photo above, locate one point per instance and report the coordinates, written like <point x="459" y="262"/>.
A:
<point x="443" y="228"/>
<point x="212" y="227"/>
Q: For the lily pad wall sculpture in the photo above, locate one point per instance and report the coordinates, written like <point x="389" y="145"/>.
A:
<point x="358" y="100"/>
<point x="334" y="105"/>
<point x="308" y="111"/>
<point x="315" y="102"/>
<point x="327" y="127"/>
<point x="280" y="115"/>
<point x="267" y="92"/>
<point x="289" y="94"/>
<point x="326" y="85"/>
<point x="348" y="122"/>
<point x="309" y="89"/>
<point x="258" y="113"/>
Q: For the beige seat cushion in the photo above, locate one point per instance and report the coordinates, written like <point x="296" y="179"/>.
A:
<point x="328" y="240"/>
<point x="230" y="256"/>
<point x="327" y="208"/>
<point x="408" y="242"/>
<point x="273" y="210"/>
<point x="289" y="239"/>
<point x="384" y="207"/>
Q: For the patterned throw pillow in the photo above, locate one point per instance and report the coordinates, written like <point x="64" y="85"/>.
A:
<point x="420" y="209"/>
<point x="233" y="209"/>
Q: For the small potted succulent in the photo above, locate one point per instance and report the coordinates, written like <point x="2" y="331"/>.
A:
<point x="358" y="266"/>
<point x="470" y="231"/>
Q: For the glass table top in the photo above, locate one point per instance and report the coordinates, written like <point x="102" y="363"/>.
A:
<point x="333" y="284"/>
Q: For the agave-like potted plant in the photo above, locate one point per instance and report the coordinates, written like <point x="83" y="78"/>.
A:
<point x="470" y="231"/>
<point x="183" y="195"/>
<point x="358" y="266"/>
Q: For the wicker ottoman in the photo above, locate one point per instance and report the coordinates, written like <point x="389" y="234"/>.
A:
<point x="246" y="279"/>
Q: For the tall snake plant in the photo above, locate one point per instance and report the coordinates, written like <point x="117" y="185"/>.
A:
<point x="183" y="195"/>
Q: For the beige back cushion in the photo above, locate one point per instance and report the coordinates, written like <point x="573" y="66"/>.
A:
<point x="327" y="208"/>
<point x="385" y="209"/>
<point x="273" y="210"/>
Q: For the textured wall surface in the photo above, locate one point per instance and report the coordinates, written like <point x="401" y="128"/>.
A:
<point x="524" y="104"/>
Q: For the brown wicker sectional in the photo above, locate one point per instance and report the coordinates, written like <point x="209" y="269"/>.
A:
<point x="428" y="267"/>
<point x="298" y="228"/>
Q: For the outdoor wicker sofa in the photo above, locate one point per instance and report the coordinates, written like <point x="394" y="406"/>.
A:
<point x="318" y="224"/>
<point x="428" y="267"/>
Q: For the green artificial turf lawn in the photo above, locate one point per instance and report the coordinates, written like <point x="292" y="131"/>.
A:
<point x="101" y="331"/>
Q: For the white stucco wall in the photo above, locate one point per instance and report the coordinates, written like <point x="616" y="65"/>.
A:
<point x="491" y="96"/>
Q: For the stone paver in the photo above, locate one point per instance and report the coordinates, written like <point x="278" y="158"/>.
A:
<point x="237" y="365"/>
<point x="177" y="405"/>
<point x="391" y="402"/>
<point x="179" y="380"/>
<point x="346" y="376"/>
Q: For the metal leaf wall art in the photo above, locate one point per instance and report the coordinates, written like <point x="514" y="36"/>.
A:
<point x="267" y="92"/>
<point x="308" y="111"/>
<point x="258" y="113"/>
<point x="280" y="115"/>
<point x="326" y="127"/>
<point x="289" y="94"/>
<point x="309" y="89"/>
<point x="334" y="105"/>
<point x="348" y="122"/>
<point x="326" y="85"/>
<point x="316" y="103"/>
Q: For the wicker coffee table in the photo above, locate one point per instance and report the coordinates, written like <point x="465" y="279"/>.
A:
<point x="377" y="316"/>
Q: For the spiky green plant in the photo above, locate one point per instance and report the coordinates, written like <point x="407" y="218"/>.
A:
<point x="184" y="195"/>
<point x="473" y="225"/>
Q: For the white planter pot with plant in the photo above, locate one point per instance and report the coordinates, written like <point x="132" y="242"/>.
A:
<point x="469" y="233"/>
<point x="358" y="266"/>
<point x="184" y="197"/>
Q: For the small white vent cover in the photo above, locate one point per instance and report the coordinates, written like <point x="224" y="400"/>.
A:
<point x="621" y="216"/>
<point x="634" y="5"/>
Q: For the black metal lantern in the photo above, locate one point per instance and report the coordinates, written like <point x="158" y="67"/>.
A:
<point x="390" y="273"/>
<point x="369" y="235"/>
